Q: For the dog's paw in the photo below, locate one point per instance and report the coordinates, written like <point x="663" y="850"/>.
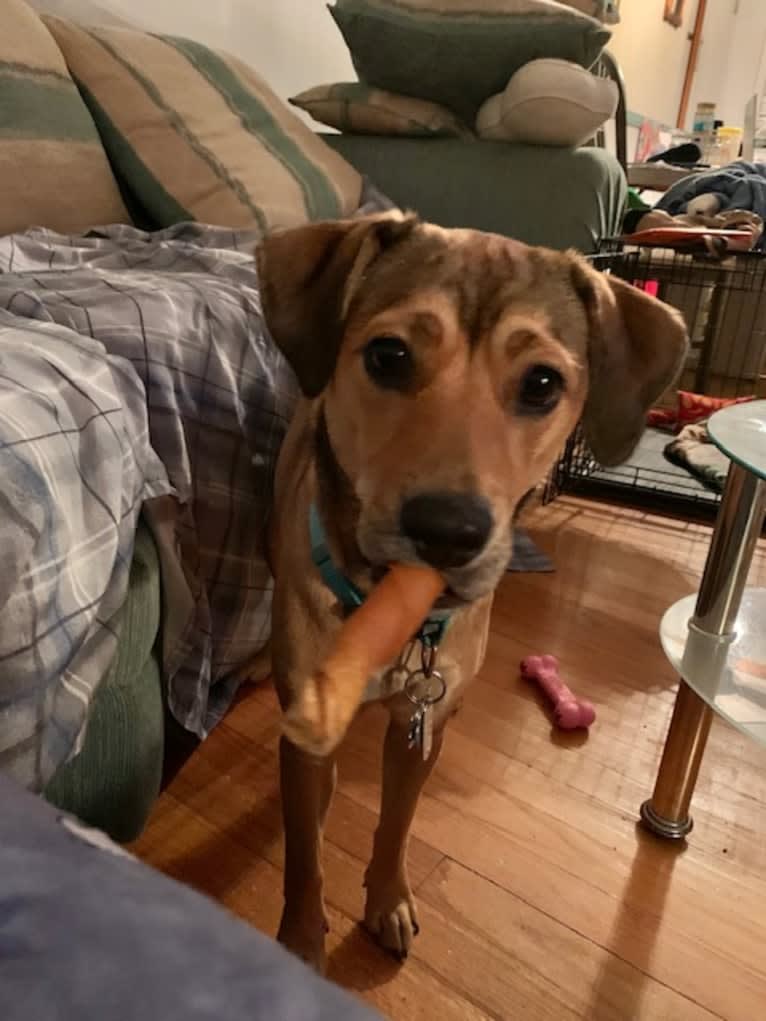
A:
<point x="390" y="915"/>
<point x="305" y="938"/>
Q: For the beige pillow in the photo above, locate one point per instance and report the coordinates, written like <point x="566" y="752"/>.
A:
<point x="359" y="109"/>
<point x="53" y="169"/>
<point x="549" y="102"/>
<point x="198" y="135"/>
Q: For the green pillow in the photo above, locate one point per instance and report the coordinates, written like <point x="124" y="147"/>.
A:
<point x="458" y="53"/>
<point x="358" y="109"/>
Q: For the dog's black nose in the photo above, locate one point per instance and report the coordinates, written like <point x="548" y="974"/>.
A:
<point x="448" y="529"/>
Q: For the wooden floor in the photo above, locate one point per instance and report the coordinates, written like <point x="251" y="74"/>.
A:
<point x="539" y="898"/>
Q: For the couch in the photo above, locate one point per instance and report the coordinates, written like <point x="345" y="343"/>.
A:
<point x="560" y="198"/>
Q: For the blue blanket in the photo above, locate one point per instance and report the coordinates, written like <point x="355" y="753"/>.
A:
<point x="740" y="185"/>
<point x="89" y="933"/>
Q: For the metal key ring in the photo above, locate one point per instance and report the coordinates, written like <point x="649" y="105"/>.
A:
<point x="430" y="699"/>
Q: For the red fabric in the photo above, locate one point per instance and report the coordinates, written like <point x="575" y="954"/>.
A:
<point x="697" y="407"/>
<point x="662" y="418"/>
<point x="691" y="408"/>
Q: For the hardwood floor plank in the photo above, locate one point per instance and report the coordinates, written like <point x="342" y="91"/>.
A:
<point x="733" y="828"/>
<point x="594" y="871"/>
<point x="234" y="786"/>
<point x="189" y="848"/>
<point x="577" y="975"/>
<point x="539" y="899"/>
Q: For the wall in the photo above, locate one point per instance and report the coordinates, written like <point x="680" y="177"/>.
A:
<point x="713" y="67"/>
<point x="653" y="56"/>
<point x="731" y="63"/>
<point x="745" y="60"/>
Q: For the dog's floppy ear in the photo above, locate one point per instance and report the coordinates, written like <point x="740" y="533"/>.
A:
<point x="308" y="277"/>
<point x="637" y="346"/>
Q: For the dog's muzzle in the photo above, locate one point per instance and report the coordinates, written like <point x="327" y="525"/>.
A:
<point x="447" y="530"/>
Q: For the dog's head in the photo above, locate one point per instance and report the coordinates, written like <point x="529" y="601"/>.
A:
<point x="449" y="367"/>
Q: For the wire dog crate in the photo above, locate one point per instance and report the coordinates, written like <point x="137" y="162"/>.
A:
<point x="723" y="302"/>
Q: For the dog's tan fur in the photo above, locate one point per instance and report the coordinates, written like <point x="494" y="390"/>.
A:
<point x="477" y="311"/>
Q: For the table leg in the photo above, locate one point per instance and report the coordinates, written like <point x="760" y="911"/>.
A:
<point x="737" y="528"/>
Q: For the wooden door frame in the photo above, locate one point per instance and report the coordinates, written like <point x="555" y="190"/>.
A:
<point x="691" y="66"/>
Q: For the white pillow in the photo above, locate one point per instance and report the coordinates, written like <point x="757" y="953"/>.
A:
<point x="549" y="102"/>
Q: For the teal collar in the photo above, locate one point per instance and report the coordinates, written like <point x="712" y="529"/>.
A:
<point x="350" y="596"/>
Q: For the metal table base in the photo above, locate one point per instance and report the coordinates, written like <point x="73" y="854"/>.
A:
<point x="739" y="523"/>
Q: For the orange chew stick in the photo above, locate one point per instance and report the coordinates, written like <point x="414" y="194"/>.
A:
<point x="372" y="636"/>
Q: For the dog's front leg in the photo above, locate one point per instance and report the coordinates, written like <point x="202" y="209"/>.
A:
<point x="390" y="913"/>
<point x="307" y="788"/>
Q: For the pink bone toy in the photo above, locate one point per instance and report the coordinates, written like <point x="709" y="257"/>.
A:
<point x="569" y="712"/>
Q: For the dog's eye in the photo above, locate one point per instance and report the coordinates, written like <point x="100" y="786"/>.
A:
<point x="540" y="390"/>
<point x="388" y="362"/>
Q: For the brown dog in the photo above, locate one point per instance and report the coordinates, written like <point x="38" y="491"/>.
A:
<point x="442" y="373"/>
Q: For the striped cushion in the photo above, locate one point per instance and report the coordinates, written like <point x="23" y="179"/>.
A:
<point x="53" y="170"/>
<point x="200" y="136"/>
<point x="458" y="53"/>
<point x="358" y="109"/>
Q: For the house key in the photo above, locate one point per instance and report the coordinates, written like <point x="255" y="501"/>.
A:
<point x="416" y="734"/>
<point x="424" y="691"/>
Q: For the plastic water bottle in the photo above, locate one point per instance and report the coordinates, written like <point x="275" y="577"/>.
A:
<point x="703" y="127"/>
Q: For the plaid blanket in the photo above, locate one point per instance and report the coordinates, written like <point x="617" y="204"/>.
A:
<point x="76" y="465"/>
<point x="133" y="368"/>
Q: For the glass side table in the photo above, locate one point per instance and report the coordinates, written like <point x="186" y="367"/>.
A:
<point x="717" y="639"/>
